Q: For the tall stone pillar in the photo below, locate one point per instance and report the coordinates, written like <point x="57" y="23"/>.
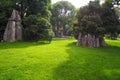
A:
<point x="13" y="31"/>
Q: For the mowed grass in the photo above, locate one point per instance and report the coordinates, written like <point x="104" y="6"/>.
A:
<point x="60" y="60"/>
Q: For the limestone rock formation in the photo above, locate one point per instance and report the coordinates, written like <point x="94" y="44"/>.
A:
<point x="13" y="31"/>
<point x="91" y="41"/>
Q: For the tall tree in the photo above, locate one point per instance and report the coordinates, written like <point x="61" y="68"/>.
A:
<point x="62" y="16"/>
<point x="110" y="19"/>
<point x="38" y="13"/>
<point x="89" y="26"/>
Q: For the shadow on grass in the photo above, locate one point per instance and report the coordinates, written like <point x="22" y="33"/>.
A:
<point x="90" y="64"/>
<point x="8" y="45"/>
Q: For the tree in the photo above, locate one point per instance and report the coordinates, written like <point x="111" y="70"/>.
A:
<point x="38" y="28"/>
<point x="37" y="20"/>
<point x="90" y="28"/>
<point x="110" y="20"/>
<point x="62" y="16"/>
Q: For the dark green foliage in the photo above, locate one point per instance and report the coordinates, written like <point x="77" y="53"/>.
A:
<point x="110" y="20"/>
<point x="89" y="19"/>
<point x="98" y="19"/>
<point x="62" y="17"/>
<point x="37" y="28"/>
<point x="37" y="21"/>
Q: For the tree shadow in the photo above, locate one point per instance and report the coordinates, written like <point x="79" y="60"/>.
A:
<point x="8" y="45"/>
<point x="89" y="64"/>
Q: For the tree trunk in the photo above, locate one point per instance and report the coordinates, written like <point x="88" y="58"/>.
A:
<point x="90" y="41"/>
<point x="102" y="42"/>
<point x="79" y="39"/>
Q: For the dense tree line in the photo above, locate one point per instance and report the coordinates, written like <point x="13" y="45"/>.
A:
<point x="63" y="13"/>
<point x="40" y="19"/>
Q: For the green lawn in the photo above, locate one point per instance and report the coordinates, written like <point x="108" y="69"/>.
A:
<point x="60" y="60"/>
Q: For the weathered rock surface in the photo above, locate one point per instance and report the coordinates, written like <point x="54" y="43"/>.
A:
<point x="91" y="40"/>
<point x="13" y="31"/>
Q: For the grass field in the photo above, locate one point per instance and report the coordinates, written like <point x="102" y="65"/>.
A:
<point x="60" y="60"/>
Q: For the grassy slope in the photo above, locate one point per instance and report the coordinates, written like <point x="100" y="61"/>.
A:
<point x="61" y="60"/>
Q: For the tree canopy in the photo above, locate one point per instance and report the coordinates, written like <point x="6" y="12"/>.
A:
<point x="110" y="19"/>
<point x="63" y="13"/>
<point x="37" y="20"/>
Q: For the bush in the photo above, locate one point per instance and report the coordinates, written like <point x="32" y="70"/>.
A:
<point x="37" y="28"/>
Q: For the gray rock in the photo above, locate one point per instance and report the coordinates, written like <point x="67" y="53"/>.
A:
<point x="13" y="31"/>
